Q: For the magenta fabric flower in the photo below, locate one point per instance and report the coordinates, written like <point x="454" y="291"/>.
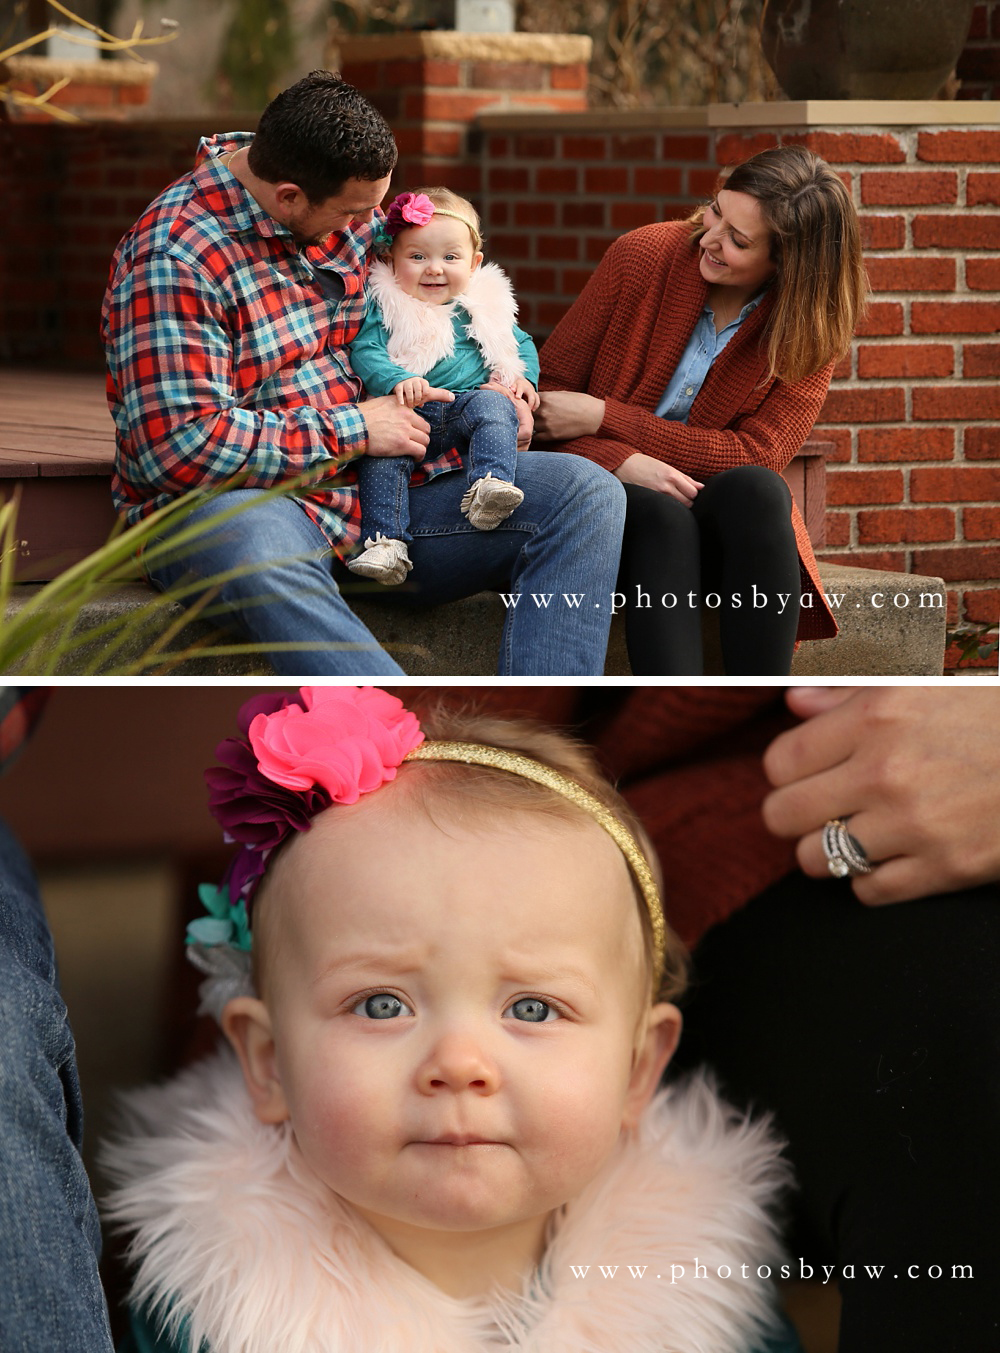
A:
<point x="347" y="741"/>
<point x="300" y="753"/>
<point x="244" y="873"/>
<point x="247" y="805"/>
<point x="408" y="209"/>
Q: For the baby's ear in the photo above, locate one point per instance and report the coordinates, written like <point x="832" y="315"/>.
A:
<point x="247" y="1024"/>
<point x="476" y="261"/>
<point x="663" y="1029"/>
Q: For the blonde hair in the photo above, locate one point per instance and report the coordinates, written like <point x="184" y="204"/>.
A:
<point x="485" y="787"/>
<point x="820" y="288"/>
<point x="451" y="204"/>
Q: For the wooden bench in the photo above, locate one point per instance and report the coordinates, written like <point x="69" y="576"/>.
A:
<point x="57" y="445"/>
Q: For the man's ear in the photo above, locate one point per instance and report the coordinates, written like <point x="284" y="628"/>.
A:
<point x="663" y="1029"/>
<point x="288" y="195"/>
<point x="247" y="1024"/>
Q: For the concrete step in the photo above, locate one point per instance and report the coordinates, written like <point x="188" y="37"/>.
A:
<point x="892" y="624"/>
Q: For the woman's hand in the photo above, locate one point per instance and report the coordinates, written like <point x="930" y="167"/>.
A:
<point x="917" y="768"/>
<point x="525" y="421"/>
<point x="523" y="389"/>
<point x="651" y="473"/>
<point x="565" y="414"/>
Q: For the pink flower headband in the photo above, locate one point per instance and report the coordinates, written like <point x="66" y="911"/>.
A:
<point x="416" y="209"/>
<point x="324" y="745"/>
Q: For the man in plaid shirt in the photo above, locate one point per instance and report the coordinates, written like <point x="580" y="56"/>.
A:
<point x="228" y="314"/>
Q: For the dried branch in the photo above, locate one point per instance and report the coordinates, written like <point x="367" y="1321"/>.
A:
<point x="102" y="41"/>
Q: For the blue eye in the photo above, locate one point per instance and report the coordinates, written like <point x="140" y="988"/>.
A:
<point x="383" y="1005"/>
<point x="531" y="1010"/>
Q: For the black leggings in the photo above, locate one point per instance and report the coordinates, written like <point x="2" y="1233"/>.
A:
<point x="873" y="1035"/>
<point x="736" y="539"/>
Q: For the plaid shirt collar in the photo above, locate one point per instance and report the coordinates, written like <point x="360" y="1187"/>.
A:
<point x="239" y="213"/>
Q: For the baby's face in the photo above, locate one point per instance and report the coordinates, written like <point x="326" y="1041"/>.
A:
<point x="456" y="1011"/>
<point x="434" y="262"/>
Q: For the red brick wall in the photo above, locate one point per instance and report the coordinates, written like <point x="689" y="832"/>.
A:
<point x="979" y="65"/>
<point x="70" y="191"/>
<point x="97" y="98"/>
<point x="914" y="412"/>
<point x="554" y="200"/>
<point x="431" y="105"/>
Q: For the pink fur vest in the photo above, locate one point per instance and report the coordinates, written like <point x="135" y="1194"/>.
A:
<point x="233" y="1231"/>
<point x="421" y="335"/>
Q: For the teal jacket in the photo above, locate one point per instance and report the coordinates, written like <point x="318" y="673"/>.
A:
<point x="487" y="305"/>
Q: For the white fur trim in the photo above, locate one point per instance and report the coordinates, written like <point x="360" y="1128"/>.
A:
<point x="233" y="1230"/>
<point x="421" y="335"/>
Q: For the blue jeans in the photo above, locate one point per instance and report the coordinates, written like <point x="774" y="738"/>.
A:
<point x="49" y="1235"/>
<point x="482" y="424"/>
<point x="565" y="538"/>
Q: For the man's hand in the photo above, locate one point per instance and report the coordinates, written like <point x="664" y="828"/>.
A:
<point x="917" y="769"/>
<point x="416" y="391"/>
<point x="651" y="473"/>
<point x="393" y="429"/>
<point x="565" y="414"/>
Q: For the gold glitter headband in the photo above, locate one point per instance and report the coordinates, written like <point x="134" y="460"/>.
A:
<point x="476" y="237"/>
<point x="474" y="753"/>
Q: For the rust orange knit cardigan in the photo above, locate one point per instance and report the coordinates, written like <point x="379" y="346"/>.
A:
<point x="622" y="340"/>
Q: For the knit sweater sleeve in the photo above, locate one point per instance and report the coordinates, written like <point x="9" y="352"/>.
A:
<point x="770" y="436"/>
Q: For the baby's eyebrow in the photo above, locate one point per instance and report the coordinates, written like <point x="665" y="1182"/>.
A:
<point x="397" y="962"/>
<point x="529" y="974"/>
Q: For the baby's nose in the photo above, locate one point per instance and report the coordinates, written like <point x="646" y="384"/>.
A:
<point x="457" y="1063"/>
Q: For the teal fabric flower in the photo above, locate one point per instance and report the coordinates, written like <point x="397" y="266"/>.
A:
<point x="226" y="922"/>
<point x="381" y="239"/>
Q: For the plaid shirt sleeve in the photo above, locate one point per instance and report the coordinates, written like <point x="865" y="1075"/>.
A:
<point x="20" y="709"/>
<point x="194" y="394"/>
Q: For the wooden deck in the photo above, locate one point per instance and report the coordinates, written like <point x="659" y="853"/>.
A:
<point x="57" y="445"/>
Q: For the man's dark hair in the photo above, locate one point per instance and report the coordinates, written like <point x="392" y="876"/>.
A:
<point x="319" y="133"/>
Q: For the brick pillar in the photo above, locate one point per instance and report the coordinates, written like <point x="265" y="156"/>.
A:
<point x="430" y="87"/>
<point x="97" y="90"/>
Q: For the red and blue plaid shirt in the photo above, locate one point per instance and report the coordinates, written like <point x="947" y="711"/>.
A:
<point x="226" y="355"/>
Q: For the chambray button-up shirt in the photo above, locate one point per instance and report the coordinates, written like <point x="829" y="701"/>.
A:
<point x="703" y="347"/>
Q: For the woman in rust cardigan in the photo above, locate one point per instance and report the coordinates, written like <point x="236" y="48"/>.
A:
<point x="693" y="367"/>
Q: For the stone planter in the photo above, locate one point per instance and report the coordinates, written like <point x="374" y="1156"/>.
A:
<point x="864" y="49"/>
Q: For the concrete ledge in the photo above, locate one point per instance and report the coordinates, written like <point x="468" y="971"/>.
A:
<point x="858" y="114"/>
<point x="549" y="49"/>
<point x="889" y="627"/>
<point x="891" y="624"/>
<point x="47" y="70"/>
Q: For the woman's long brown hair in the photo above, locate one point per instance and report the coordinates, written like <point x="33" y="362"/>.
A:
<point x="820" y="288"/>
